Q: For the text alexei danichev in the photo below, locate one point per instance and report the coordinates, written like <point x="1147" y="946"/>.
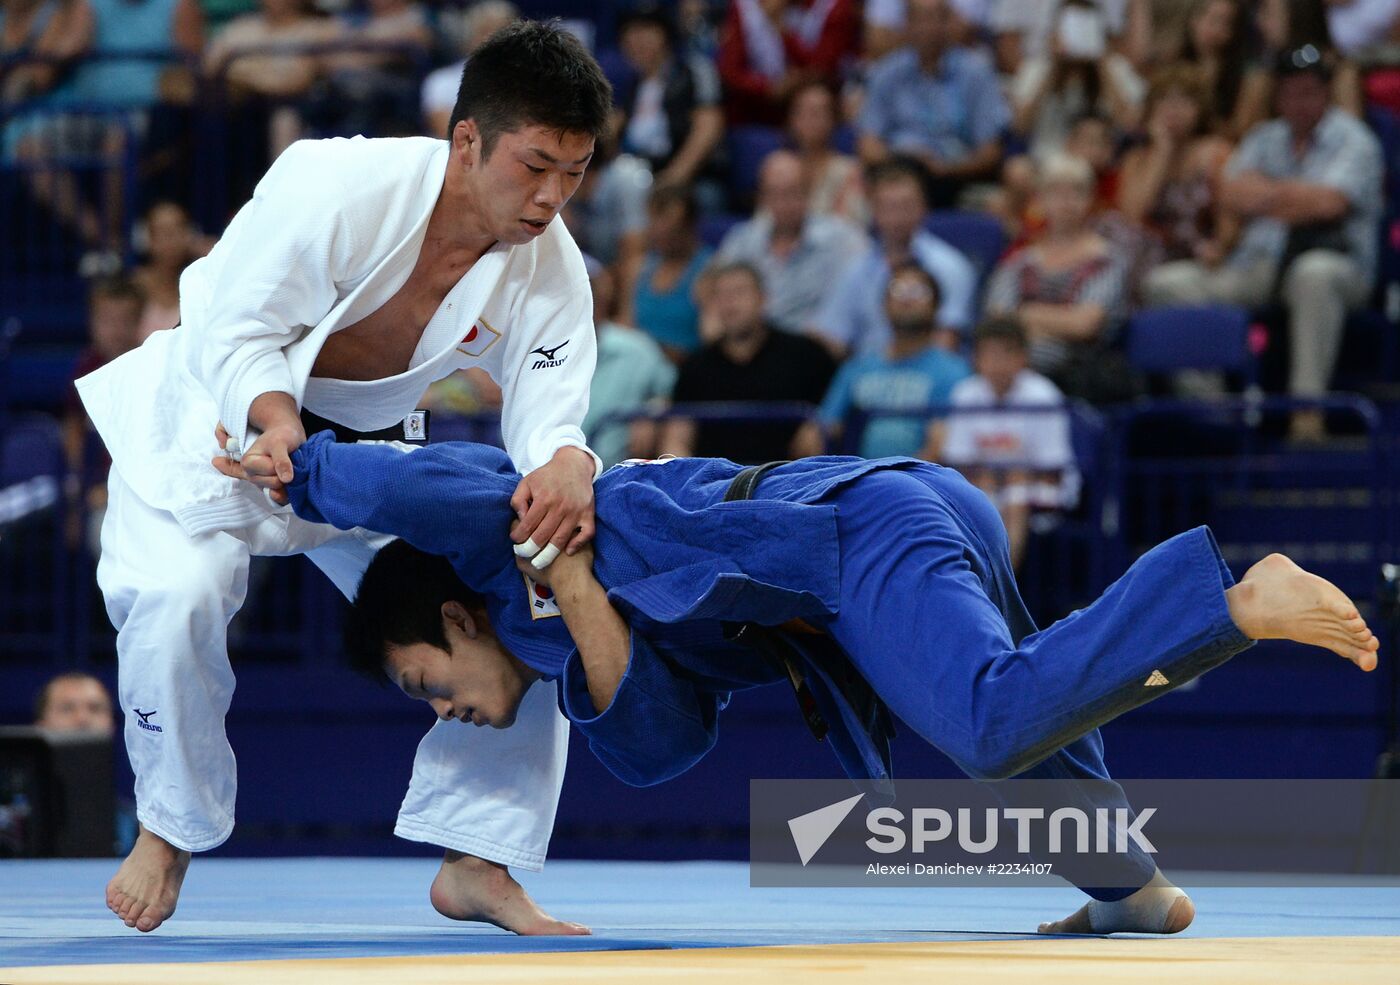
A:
<point x="959" y="869"/>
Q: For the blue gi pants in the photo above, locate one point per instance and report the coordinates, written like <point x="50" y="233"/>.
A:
<point x="931" y="616"/>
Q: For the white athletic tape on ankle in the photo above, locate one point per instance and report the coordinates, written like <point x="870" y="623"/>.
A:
<point x="1144" y="912"/>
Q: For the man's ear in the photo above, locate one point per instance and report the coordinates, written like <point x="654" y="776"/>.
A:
<point x="466" y="141"/>
<point x="456" y="614"/>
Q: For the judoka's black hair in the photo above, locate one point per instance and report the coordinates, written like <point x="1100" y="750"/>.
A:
<point x="399" y="603"/>
<point x="532" y="73"/>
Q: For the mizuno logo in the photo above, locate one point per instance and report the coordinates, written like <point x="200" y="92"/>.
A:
<point x="550" y="356"/>
<point x="145" y="721"/>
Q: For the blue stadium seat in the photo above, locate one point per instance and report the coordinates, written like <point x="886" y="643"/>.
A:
<point x="1163" y="340"/>
<point x="845" y="139"/>
<point x="31" y="445"/>
<point x="748" y="146"/>
<point x="1386" y="126"/>
<point x="979" y="236"/>
<point x="714" y="227"/>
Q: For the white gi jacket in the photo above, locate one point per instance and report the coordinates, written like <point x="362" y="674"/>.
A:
<point x="332" y="232"/>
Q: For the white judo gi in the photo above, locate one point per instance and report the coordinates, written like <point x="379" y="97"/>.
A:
<point x="332" y="232"/>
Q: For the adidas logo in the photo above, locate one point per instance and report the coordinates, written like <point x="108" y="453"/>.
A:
<point x="1156" y="679"/>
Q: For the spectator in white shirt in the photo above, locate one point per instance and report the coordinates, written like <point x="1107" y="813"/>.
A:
<point x="1009" y="433"/>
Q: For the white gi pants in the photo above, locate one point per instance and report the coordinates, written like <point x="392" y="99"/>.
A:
<point x="486" y="792"/>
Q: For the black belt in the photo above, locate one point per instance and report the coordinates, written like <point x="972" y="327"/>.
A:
<point x="742" y="486"/>
<point x="412" y="429"/>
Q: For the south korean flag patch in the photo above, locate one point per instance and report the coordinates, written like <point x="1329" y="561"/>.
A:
<point x="542" y="602"/>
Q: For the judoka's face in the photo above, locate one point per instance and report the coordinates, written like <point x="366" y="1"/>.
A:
<point x="474" y="680"/>
<point x="525" y="181"/>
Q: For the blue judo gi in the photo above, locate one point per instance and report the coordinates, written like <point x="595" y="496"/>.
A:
<point x="902" y="563"/>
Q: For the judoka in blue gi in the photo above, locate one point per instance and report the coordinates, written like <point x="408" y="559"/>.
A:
<point x="896" y="568"/>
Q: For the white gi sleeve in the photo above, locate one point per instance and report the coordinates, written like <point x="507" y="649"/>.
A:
<point x="548" y="366"/>
<point x="273" y="273"/>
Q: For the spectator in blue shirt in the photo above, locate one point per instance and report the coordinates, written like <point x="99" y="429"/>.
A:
<point x="935" y="102"/>
<point x="914" y="373"/>
<point x="852" y="317"/>
<point x="662" y="301"/>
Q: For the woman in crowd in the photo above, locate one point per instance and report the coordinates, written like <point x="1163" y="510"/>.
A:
<point x="1215" y="40"/>
<point x="1169" y="184"/>
<point x="1068" y="287"/>
<point x="834" y="181"/>
<point x="663" y="300"/>
<point x="1078" y="74"/>
<point x="172" y="244"/>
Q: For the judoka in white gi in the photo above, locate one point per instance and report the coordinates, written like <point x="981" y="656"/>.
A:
<point x="361" y="271"/>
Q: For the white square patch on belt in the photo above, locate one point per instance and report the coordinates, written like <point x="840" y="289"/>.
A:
<point x="415" y="426"/>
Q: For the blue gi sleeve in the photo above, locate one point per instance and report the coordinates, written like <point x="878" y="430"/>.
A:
<point x="658" y="725"/>
<point x="442" y="499"/>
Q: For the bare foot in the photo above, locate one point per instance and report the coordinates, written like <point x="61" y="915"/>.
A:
<point x="471" y="888"/>
<point x="1277" y="600"/>
<point x="1157" y="908"/>
<point x="147" y="886"/>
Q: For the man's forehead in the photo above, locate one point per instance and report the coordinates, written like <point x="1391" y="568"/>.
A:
<point x="399" y="658"/>
<point x="78" y="685"/>
<point x="553" y="146"/>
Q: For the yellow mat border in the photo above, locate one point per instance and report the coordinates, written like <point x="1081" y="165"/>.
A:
<point x="1059" y="961"/>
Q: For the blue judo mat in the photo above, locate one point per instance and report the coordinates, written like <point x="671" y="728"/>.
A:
<point x="53" y="912"/>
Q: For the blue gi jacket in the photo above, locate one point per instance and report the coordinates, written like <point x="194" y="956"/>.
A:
<point x="677" y="562"/>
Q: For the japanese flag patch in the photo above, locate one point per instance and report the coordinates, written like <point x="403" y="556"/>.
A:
<point x="542" y="602"/>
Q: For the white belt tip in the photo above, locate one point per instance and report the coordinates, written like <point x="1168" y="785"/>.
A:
<point x="546" y="557"/>
<point x="527" y="549"/>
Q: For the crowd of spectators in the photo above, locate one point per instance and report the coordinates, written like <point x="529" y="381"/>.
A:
<point x="1130" y="153"/>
